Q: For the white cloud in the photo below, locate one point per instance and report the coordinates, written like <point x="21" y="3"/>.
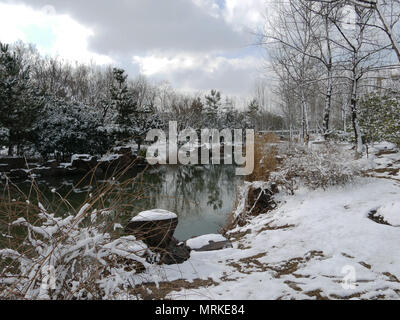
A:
<point x="248" y="14"/>
<point x="196" y="44"/>
<point x="54" y="34"/>
<point x="209" y="6"/>
<point x="202" y="72"/>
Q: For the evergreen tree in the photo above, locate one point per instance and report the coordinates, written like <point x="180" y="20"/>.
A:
<point x="146" y="119"/>
<point x="124" y="105"/>
<point x="213" y="110"/>
<point x="253" y="114"/>
<point x="20" y="104"/>
<point x="70" y="128"/>
<point x="379" y="118"/>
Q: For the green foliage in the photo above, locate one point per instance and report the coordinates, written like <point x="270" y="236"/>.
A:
<point x="20" y="103"/>
<point x="71" y="128"/>
<point x="253" y="113"/>
<point x="213" y="108"/>
<point x="123" y="103"/>
<point x="379" y="118"/>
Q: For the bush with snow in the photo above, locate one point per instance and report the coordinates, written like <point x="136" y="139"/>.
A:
<point x="327" y="166"/>
<point x="70" y="258"/>
<point x="379" y="118"/>
<point x="69" y="127"/>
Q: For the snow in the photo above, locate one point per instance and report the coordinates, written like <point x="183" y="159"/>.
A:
<point x="304" y="246"/>
<point x="84" y="157"/>
<point x="200" y="242"/>
<point x="154" y="215"/>
<point x="390" y="212"/>
<point x="110" y="157"/>
<point x="382" y="146"/>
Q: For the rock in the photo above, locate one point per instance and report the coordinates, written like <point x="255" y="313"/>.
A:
<point x="51" y="164"/>
<point x="13" y="163"/>
<point x="140" y="161"/>
<point x="209" y="242"/>
<point x="127" y="151"/>
<point x="115" y="163"/>
<point x="261" y="200"/>
<point x="84" y="162"/>
<point x="176" y="253"/>
<point x="18" y="174"/>
<point x="214" y="246"/>
<point x="4" y="167"/>
<point x="154" y="227"/>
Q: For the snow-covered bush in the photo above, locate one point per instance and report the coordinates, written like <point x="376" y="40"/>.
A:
<point x="379" y="118"/>
<point x="329" y="165"/>
<point x="70" y="257"/>
<point x="70" y="128"/>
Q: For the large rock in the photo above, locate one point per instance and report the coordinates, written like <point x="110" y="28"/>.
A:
<point x="176" y="253"/>
<point x="209" y="242"/>
<point x="8" y="164"/>
<point x="84" y="162"/>
<point x="19" y="174"/>
<point x="154" y="227"/>
<point x="117" y="162"/>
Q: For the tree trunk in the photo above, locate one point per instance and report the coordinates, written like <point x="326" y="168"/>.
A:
<point x="327" y="108"/>
<point x="10" y="150"/>
<point x="354" y="118"/>
<point x="305" y="125"/>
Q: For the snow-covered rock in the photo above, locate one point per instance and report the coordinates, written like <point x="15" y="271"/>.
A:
<point x="154" y="215"/>
<point x="202" y="241"/>
<point x="391" y="213"/>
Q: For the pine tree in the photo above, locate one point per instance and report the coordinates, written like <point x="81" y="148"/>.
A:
<point x="253" y="113"/>
<point x="20" y="104"/>
<point x="213" y="109"/>
<point x="124" y="105"/>
<point x="70" y="128"/>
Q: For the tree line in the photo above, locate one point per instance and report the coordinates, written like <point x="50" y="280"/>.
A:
<point x="49" y="106"/>
<point x="335" y="62"/>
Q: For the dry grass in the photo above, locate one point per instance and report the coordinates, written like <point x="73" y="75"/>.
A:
<point x="265" y="161"/>
<point x="15" y="204"/>
<point x="160" y="291"/>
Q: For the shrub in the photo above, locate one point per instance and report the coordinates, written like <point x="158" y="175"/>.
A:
<point x="379" y="118"/>
<point x="327" y="166"/>
<point x="83" y="260"/>
<point x="82" y="251"/>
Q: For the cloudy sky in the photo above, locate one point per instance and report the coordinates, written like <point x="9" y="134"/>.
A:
<point x="194" y="44"/>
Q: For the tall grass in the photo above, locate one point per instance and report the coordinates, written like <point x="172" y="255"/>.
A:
<point x="265" y="157"/>
<point x="81" y="246"/>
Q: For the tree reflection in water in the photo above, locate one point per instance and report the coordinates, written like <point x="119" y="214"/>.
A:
<point x="202" y="196"/>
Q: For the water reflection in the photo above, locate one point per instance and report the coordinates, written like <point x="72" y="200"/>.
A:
<point x="202" y="196"/>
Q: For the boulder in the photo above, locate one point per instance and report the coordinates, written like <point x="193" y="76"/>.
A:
<point x="114" y="163"/>
<point x="176" y="253"/>
<point x="13" y="163"/>
<point x="84" y="162"/>
<point x="18" y="174"/>
<point x="209" y="242"/>
<point x="124" y="150"/>
<point x="154" y="227"/>
<point x="214" y="246"/>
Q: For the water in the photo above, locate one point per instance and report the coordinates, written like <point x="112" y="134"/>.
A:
<point x="201" y="196"/>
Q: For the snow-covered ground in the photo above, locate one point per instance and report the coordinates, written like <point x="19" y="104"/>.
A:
<point x="315" y="245"/>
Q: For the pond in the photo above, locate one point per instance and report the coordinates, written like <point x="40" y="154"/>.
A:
<point x="201" y="196"/>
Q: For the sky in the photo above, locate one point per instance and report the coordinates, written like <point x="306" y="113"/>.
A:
<point x="196" y="45"/>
